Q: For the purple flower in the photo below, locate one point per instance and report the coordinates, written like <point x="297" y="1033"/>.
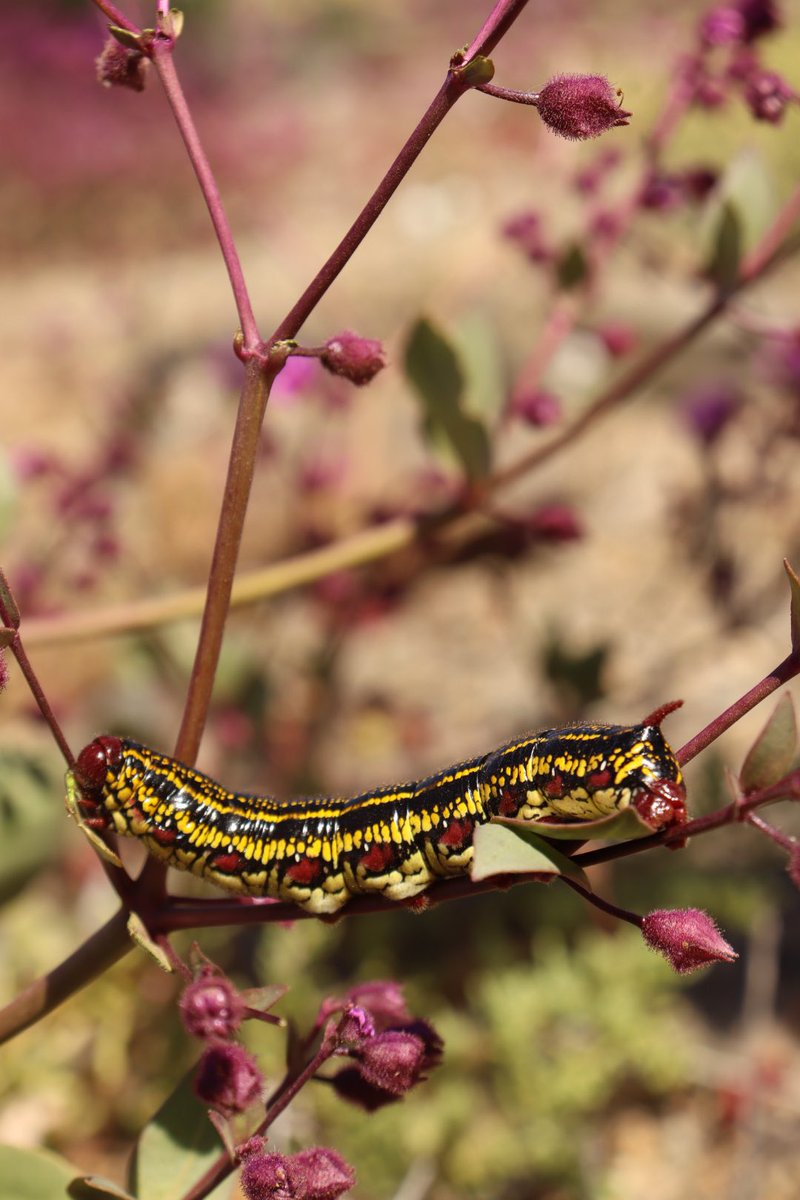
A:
<point x="211" y="1008"/>
<point x="228" y="1079"/>
<point x="687" y="937"/>
<point x="580" y="106"/>
<point x="760" y="17"/>
<point x="707" y="411"/>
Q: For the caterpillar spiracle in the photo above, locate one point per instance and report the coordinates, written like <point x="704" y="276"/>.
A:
<point x="397" y="841"/>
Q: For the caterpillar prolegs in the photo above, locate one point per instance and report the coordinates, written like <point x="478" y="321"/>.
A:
<point x="395" y="841"/>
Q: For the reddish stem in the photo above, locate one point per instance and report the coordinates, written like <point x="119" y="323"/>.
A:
<point x="162" y="55"/>
<point x="115" y="16"/>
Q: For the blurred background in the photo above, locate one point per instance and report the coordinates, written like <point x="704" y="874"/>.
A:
<point x="641" y="564"/>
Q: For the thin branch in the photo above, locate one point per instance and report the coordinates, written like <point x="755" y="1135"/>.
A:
<point x="100" y="951"/>
<point x="115" y="16"/>
<point x="165" y="66"/>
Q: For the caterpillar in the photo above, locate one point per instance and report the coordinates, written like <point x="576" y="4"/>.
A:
<point x="395" y="841"/>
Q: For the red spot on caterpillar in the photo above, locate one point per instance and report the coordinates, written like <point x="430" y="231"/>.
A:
<point x="379" y="856"/>
<point x="227" y="863"/>
<point x="457" y="834"/>
<point x="554" y="788"/>
<point x="658" y="715"/>
<point x="164" y="837"/>
<point x="306" y="871"/>
<point x="509" y="804"/>
<point x="599" y="779"/>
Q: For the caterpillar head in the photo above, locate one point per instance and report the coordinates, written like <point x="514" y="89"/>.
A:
<point x="92" y="768"/>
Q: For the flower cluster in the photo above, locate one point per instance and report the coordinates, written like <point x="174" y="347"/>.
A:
<point x="228" y="1078"/>
<point x="314" y="1174"/>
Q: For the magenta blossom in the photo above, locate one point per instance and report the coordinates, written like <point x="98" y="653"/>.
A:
<point x="580" y="106"/>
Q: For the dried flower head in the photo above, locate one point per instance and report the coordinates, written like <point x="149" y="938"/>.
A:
<point x="228" y="1078"/>
<point x="118" y="66"/>
<point x="581" y="106"/>
<point x="687" y="937"/>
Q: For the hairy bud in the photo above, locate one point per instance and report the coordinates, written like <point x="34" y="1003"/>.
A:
<point x="687" y="937"/>
<point x="580" y="106"/>
<point x="315" y="1174"/>
<point x="355" y="358"/>
<point x="211" y="1008"/>
<point x="228" y="1079"/>
<point x="118" y="66"/>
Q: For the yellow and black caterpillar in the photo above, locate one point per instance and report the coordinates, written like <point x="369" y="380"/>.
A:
<point x="396" y="840"/>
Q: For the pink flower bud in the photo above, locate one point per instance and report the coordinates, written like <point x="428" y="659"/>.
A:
<point x="355" y="1027"/>
<point x="382" y="999"/>
<point x="392" y="1061"/>
<point x="580" y="106"/>
<point x="766" y="95"/>
<point x="539" y="408"/>
<point x="355" y="358"/>
<point x="555" y="523"/>
<point x="618" y="338"/>
<point x="721" y="26"/>
<point x="760" y="17"/>
<point x="265" y="1177"/>
<point x="319" y="1174"/>
<point x="118" y="66"/>
<point x="687" y="937"/>
<point x="228" y="1078"/>
<point x="211" y="1008"/>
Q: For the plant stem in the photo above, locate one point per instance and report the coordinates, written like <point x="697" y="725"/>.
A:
<point x="241" y="468"/>
<point x="110" y="943"/>
<point x="512" y="94"/>
<point x="165" y="66"/>
<point x="115" y="16"/>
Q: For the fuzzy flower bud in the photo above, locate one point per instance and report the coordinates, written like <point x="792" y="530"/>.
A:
<point x="228" y="1079"/>
<point x="708" y="410"/>
<point x="539" y="408"/>
<point x="760" y="17"/>
<point x="721" y="26"/>
<point x="381" y="998"/>
<point x="392" y="1061"/>
<point x="355" y="1027"/>
<point x="315" y="1174"/>
<point x="355" y="358"/>
<point x="555" y="523"/>
<point x="211" y="1008"/>
<point x="580" y="106"/>
<point x="687" y="937"/>
<point x="618" y="338"/>
<point x="118" y="66"/>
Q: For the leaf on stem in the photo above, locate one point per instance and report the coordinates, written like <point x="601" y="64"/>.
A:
<point x="94" y="1187"/>
<point x="138" y="931"/>
<point x="773" y="752"/>
<point x="8" y="605"/>
<point x="33" y="1175"/>
<point x="794" y="605"/>
<point x="436" y="373"/>
<point x="175" y="1148"/>
<point x="622" y="826"/>
<point x="500" y="850"/>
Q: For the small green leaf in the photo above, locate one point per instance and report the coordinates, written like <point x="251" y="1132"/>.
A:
<point x="138" y="931"/>
<point x="616" y="827"/>
<point x="94" y="1187"/>
<point x="33" y="1175"/>
<point x="8" y="604"/>
<point x="572" y="269"/>
<point x="29" y="827"/>
<point x="477" y="71"/>
<point x="499" y="850"/>
<point x="726" y="248"/>
<point x="435" y="371"/>
<point x="485" y="375"/>
<point x="126" y="37"/>
<point x="175" y="1148"/>
<point x="772" y="753"/>
<point x="263" y="998"/>
<point x="794" y="605"/>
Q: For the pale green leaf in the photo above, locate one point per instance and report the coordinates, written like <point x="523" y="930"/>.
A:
<point x="499" y="850"/>
<point x="94" y="1187"/>
<point x="772" y="753"/>
<point x="621" y="826"/>
<point x="33" y="1175"/>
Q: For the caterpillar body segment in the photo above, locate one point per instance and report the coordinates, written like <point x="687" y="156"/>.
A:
<point x="395" y="841"/>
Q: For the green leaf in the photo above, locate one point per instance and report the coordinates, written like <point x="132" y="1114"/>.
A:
<point x="8" y="603"/>
<point x="30" y="828"/>
<point x="500" y="850"/>
<point x="572" y="268"/>
<point x="485" y="375"/>
<point x="772" y="753"/>
<point x="726" y="248"/>
<point x="140" y="934"/>
<point x="621" y="826"/>
<point x="794" y="605"/>
<point x="175" y="1149"/>
<point x="94" y="1187"/>
<point x="435" y="371"/>
<point x="33" y="1175"/>
<point x="263" y="998"/>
